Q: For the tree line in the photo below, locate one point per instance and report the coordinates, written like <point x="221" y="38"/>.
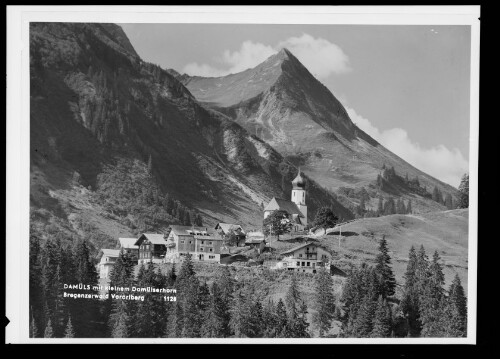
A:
<point x="370" y="305"/>
<point x="370" y="308"/>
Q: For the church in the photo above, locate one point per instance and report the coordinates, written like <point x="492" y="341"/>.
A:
<point x="296" y="207"/>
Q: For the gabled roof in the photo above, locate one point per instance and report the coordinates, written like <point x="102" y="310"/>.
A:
<point x="301" y="246"/>
<point x="185" y="230"/>
<point x="110" y="252"/>
<point x="282" y="204"/>
<point x="228" y="227"/>
<point x="128" y="242"/>
<point x="154" y="238"/>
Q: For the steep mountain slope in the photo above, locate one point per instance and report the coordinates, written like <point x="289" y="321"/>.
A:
<point x="284" y="105"/>
<point x="123" y="143"/>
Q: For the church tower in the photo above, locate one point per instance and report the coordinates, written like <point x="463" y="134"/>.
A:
<point x="299" y="195"/>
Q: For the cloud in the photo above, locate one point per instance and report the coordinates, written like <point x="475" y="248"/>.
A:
<point x="439" y="161"/>
<point x="249" y="55"/>
<point x="321" y="57"/>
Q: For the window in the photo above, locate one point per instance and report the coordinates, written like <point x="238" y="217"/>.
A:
<point x="308" y="264"/>
<point x="300" y="255"/>
<point x="210" y="243"/>
<point x="211" y="257"/>
<point x="211" y="250"/>
<point x="202" y="242"/>
<point x="201" y="249"/>
<point x="298" y="264"/>
<point x="303" y="264"/>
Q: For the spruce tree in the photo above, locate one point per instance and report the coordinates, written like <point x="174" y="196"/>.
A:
<point x="380" y="207"/>
<point x="457" y="302"/>
<point x="408" y="207"/>
<point x="33" y="328"/>
<point x="383" y="268"/>
<point x="175" y="322"/>
<point x="281" y="320"/>
<point x="324" y="301"/>
<point x="431" y="300"/>
<point x="293" y="298"/>
<point x="69" y="332"/>
<point x="409" y="302"/>
<point x="382" y="323"/>
<point x="364" y="318"/>
<point x="49" y="332"/>
<point x="463" y="199"/>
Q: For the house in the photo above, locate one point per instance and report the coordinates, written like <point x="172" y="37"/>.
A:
<point x="226" y="229"/>
<point x="152" y="247"/>
<point x="307" y="258"/>
<point x="108" y="259"/>
<point x="203" y="244"/>
<point x="296" y="207"/>
<point x="129" y="246"/>
<point x="256" y="240"/>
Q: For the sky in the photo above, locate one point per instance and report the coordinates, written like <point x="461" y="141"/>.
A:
<point x="408" y="86"/>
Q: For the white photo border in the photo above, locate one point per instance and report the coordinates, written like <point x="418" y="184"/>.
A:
<point x="18" y="130"/>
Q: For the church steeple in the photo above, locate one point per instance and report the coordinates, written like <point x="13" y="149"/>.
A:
<point x="299" y="182"/>
<point x="299" y="195"/>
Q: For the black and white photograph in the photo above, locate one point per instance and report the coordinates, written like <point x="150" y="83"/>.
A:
<point x="243" y="174"/>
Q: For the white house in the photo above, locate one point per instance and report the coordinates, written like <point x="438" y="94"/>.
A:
<point x="306" y="258"/>
<point x="107" y="262"/>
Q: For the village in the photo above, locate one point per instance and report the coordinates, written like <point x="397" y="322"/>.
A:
<point x="229" y="243"/>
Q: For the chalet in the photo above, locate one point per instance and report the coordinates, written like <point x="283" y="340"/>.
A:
<point x="307" y="258"/>
<point x="296" y="207"/>
<point x="152" y="247"/>
<point x="226" y="229"/>
<point x="108" y="259"/>
<point x="129" y="246"/>
<point x="201" y="243"/>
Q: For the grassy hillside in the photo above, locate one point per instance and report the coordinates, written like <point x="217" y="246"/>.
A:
<point x="444" y="231"/>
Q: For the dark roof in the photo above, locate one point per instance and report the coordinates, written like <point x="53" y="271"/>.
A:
<point x="227" y="227"/>
<point x="301" y="246"/>
<point x="154" y="238"/>
<point x="283" y="204"/>
<point x="299" y="182"/>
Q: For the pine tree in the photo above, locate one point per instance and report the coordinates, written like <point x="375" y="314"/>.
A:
<point x="175" y="321"/>
<point x="463" y="199"/>
<point x="293" y="298"/>
<point x="364" y="318"/>
<point x="382" y="323"/>
<point x="409" y="302"/>
<point x="380" y="207"/>
<point x="240" y="316"/>
<point x="49" y="332"/>
<point x="69" y="332"/>
<point x="383" y="268"/>
<point x="33" y="328"/>
<point x="458" y="309"/>
<point x="192" y="312"/>
<point x="408" y="207"/>
<point x="432" y="299"/>
<point x="324" y="301"/>
<point x="281" y="323"/>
